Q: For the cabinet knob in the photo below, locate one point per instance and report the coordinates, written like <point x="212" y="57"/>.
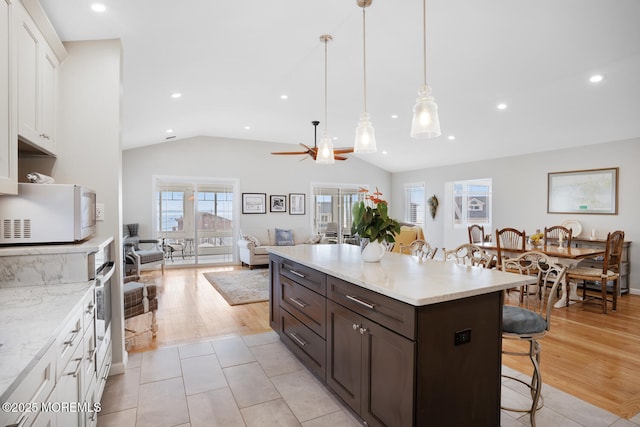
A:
<point x="364" y="331"/>
<point x="356" y="326"/>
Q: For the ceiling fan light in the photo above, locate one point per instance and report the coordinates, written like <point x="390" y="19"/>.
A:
<point x="425" y="123"/>
<point x="365" y="135"/>
<point x="325" y="155"/>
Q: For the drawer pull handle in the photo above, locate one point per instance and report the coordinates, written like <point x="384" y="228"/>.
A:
<point x="90" y="308"/>
<point x="75" y="373"/>
<point x="298" y="302"/>
<point x="359" y="301"/>
<point x="297" y="273"/>
<point x="297" y="339"/>
<point x="73" y="337"/>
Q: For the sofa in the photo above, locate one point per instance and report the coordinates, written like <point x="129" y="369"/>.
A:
<point x="254" y="249"/>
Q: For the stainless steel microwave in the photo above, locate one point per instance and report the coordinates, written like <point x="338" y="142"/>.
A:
<point x="47" y="213"/>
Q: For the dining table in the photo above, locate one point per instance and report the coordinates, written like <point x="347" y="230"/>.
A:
<point x="564" y="255"/>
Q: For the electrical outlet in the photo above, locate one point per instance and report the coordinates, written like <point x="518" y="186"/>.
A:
<point x="99" y="211"/>
<point x="462" y="337"/>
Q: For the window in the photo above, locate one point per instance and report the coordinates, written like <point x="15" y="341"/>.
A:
<point x="333" y="203"/>
<point x="472" y="202"/>
<point x="415" y="203"/>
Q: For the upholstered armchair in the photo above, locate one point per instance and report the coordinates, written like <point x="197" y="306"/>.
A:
<point x="139" y="253"/>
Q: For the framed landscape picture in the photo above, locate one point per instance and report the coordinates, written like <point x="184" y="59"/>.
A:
<point x="593" y="191"/>
<point x="296" y="203"/>
<point x="278" y="203"/>
<point x="254" y="203"/>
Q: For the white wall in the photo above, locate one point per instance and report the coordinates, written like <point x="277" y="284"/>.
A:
<point x="520" y="193"/>
<point x="249" y="162"/>
<point x="88" y="135"/>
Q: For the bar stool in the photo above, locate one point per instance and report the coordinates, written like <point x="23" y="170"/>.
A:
<point x="529" y="322"/>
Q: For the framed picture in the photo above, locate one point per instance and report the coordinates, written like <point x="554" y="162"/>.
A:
<point x="254" y="203"/>
<point x="296" y="203"/>
<point x="278" y="203"/>
<point x="593" y="191"/>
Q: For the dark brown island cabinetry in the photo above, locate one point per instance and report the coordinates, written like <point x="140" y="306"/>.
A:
<point x="392" y="363"/>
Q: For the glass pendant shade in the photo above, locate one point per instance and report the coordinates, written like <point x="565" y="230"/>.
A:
<point x="365" y="135"/>
<point x="426" y="123"/>
<point x="325" y="155"/>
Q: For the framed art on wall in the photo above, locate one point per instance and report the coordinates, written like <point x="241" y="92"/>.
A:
<point x="254" y="203"/>
<point x="278" y="203"/>
<point x="592" y="191"/>
<point x="296" y="203"/>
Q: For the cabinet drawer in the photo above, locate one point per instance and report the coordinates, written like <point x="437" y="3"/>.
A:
<point x="308" y="306"/>
<point x="392" y="314"/>
<point x="33" y="390"/>
<point x="312" y="279"/>
<point x="68" y="340"/>
<point x="304" y="343"/>
<point x="88" y="309"/>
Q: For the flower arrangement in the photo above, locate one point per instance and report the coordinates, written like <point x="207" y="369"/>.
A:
<point x="370" y="219"/>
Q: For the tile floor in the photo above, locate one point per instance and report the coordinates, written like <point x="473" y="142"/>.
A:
<point x="255" y="381"/>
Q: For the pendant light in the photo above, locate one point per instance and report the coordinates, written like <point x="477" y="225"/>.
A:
<point x="365" y="133"/>
<point x="426" y="123"/>
<point x="325" y="154"/>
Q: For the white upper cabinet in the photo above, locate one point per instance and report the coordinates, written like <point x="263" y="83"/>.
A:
<point x="8" y="122"/>
<point x="37" y="85"/>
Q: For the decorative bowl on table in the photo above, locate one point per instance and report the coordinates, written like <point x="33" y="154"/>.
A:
<point x="536" y="240"/>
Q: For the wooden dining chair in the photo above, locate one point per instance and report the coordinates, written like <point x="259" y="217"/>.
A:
<point x="610" y="272"/>
<point x="419" y="247"/>
<point x="509" y="241"/>
<point x="476" y="233"/>
<point x="469" y="254"/>
<point x="552" y="234"/>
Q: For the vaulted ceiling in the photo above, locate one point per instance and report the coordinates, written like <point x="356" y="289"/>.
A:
<point x="233" y="60"/>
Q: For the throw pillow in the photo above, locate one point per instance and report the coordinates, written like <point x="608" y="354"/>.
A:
<point x="314" y="239"/>
<point x="251" y="239"/>
<point x="284" y="237"/>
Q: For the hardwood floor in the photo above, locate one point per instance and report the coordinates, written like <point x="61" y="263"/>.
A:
<point x="587" y="354"/>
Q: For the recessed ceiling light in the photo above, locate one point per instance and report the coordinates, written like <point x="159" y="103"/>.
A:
<point x="596" y="78"/>
<point x="394" y="116"/>
<point x="284" y="96"/>
<point x="385" y="152"/>
<point x="98" y="7"/>
<point x="501" y="106"/>
<point x="451" y="137"/>
<point x="247" y="127"/>
<point x="176" y="95"/>
<point x="169" y="131"/>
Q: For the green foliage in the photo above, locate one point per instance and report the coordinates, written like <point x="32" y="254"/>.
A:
<point x="371" y="220"/>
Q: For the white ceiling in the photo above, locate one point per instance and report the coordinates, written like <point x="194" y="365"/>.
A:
<point x="232" y="60"/>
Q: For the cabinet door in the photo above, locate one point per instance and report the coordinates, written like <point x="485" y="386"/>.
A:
<point x="344" y="354"/>
<point x="388" y="385"/>
<point x="68" y="390"/>
<point x="8" y="138"/>
<point x="49" y="80"/>
<point x="274" y="293"/>
<point x="28" y="76"/>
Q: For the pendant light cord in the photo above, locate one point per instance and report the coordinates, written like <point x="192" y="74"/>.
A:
<point x="364" y="55"/>
<point x="424" y="36"/>
<point x="326" y="40"/>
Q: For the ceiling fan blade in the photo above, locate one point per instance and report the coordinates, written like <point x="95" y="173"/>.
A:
<point x="288" y="152"/>
<point x="340" y="157"/>
<point x="342" y="150"/>
<point x="306" y="146"/>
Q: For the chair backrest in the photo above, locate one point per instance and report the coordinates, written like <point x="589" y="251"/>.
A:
<point x="552" y="234"/>
<point x="549" y="276"/>
<point x="427" y="251"/>
<point x="332" y="229"/>
<point x="476" y="233"/>
<point x="509" y="238"/>
<point x="412" y="248"/>
<point x="468" y="254"/>
<point x="613" y="252"/>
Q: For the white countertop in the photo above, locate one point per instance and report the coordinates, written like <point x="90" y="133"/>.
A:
<point x="31" y="317"/>
<point x="87" y="247"/>
<point x="402" y="277"/>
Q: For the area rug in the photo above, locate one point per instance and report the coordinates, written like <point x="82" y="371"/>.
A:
<point x="241" y="286"/>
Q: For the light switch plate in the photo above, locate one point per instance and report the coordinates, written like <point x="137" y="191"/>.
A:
<point x="99" y="211"/>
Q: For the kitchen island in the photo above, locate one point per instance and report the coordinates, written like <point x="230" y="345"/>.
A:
<point x="403" y="342"/>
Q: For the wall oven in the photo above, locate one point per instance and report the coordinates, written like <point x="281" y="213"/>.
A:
<point x="104" y="269"/>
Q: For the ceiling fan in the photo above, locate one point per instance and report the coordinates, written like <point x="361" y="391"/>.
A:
<point x="313" y="151"/>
